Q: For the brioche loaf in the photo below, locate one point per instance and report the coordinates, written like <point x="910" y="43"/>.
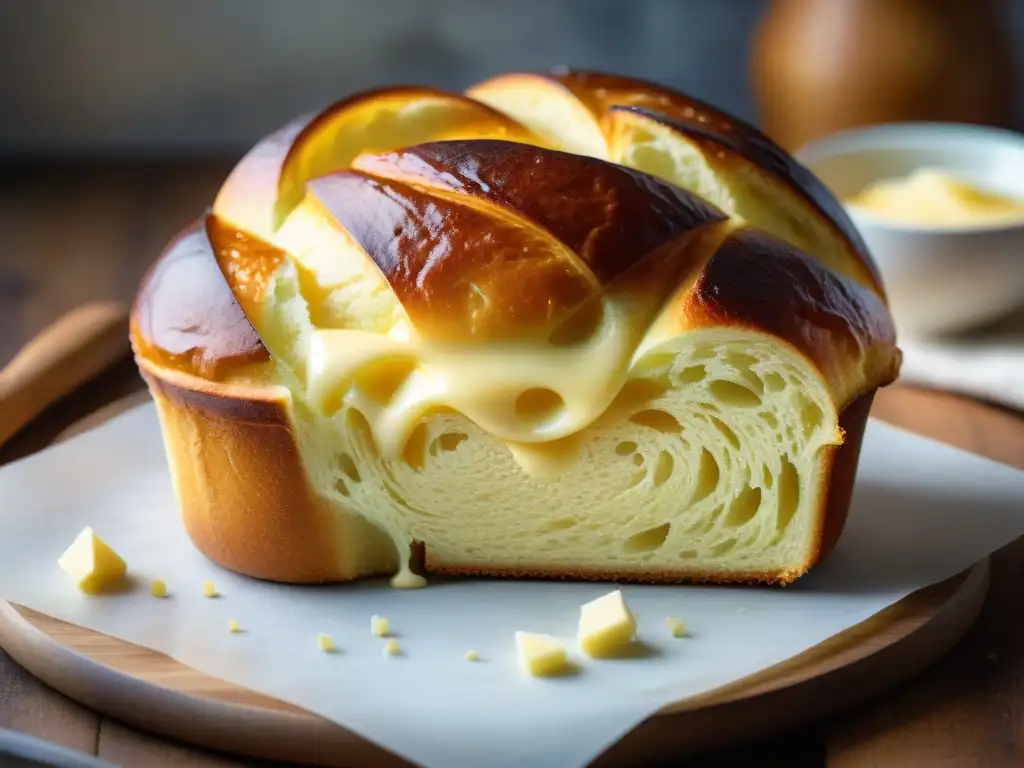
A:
<point x="565" y="325"/>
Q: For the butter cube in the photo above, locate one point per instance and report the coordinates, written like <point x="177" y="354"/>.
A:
<point x="606" y="625"/>
<point x="541" y="655"/>
<point x="391" y="648"/>
<point x="472" y="656"/>
<point x="158" y="588"/>
<point x="326" y="643"/>
<point x="209" y="590"/>
<point x="379" y="626"/>
<point x="91" y="563"/>
<point x="676" y="626"/>
<point x="234" y="627"/>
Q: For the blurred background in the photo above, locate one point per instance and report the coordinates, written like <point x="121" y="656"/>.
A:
<point x="209" y="76"/>
<point x="145" y="77"/>
<point x="119" y="118"/>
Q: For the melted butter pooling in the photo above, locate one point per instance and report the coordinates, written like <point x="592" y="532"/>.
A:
<point x="436" y="442"/>
<point x="930" y="197"/>
<point x="536" y="398"/>
<point x="523" y="394"/>
<point x="533" y="398"/>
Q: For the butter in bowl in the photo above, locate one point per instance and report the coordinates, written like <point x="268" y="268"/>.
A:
<point x="941" y="208"/>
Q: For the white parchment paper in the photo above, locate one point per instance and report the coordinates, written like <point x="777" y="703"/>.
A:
<point x="922" y="512"/>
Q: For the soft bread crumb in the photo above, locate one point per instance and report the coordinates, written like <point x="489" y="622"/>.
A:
<point x="391" y="648"/>
<point x="379" y="626"/>
<point x="472" y="656"/>
<point x="209" y="590"/>
<point x="326" y="643"/>
<point x="234" y="627"/>
<point x="675" y="626"/>
<point x="158" y="588"/>
<point x="780" y="504"/>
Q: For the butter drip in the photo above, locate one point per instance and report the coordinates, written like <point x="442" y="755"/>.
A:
<point x="406" y="579"/>
<point x="539" y="444"/>
<point x="535" y="398"/>
<point x="689" y="449"/>
<point x="523" y="395"/>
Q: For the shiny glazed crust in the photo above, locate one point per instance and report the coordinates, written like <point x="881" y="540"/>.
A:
<point x="730" y="145"/>
<point x="450" y="221"/>
<point x="229" y="432"/>
<point x="243" y="493"/>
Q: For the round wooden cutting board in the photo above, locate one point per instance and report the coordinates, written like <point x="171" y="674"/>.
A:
<point x="154" y="692"/>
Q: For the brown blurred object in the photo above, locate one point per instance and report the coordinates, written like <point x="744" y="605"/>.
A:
<point x="824" y="65"/>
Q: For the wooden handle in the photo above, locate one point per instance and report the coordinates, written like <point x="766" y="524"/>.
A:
<point x="74" y="349"/>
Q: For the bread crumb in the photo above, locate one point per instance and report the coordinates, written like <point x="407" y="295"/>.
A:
<point x="326" y="643"/>
<point x="158" y="588"/>
<point x="391" y="648"/>
<point x="234" y="627"/>
<point x="472" y="656"/>
<point x="209" y="590"/>
<point x="379" y="626"/>
<point x="676" y="626"/>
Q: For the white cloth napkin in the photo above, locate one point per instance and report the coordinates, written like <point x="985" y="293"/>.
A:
<point x="985" y="364"/>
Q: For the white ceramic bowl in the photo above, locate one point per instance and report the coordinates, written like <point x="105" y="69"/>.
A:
<point x="939" y="279"/>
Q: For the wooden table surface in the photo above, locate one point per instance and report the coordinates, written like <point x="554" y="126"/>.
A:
<point x="74" y="232"/>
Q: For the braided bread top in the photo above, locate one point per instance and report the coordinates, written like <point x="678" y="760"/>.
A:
<point x="535" y="208"/>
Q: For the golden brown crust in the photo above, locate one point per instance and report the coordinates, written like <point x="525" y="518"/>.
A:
<point x="312" y="154"/>
<point x="500" y="239"/>
<point x="186" y="316"/>
<point x="604" y="95"/>
<point x="757" y="281"/>
<point x="634" y="576"/>
<point x="246" y="261"/>
<point x="457" y="271"/>
<point x="607" y="215"/>
<point x="714" y="128"/>
<point x="248" y="195"/>
<point x="270" y="179"/>
<point x="478" y="239"/>
<point x="842" y="471"/>
<point x="244" y="496"/>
